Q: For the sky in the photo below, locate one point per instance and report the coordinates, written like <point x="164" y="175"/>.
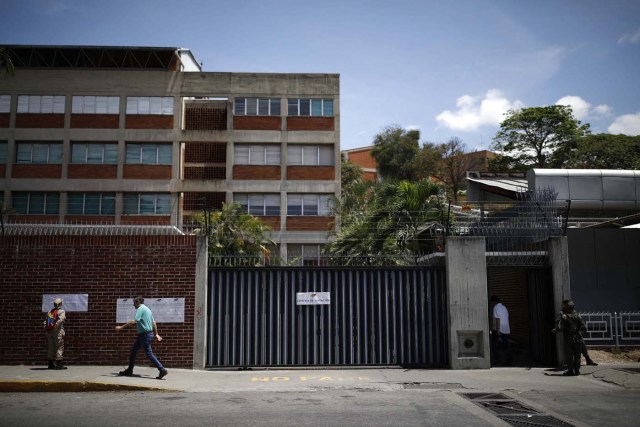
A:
<point x="448" y="68"/>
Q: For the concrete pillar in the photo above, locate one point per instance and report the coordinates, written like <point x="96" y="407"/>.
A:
<point x="559" y="259"/>
<point x="466" y="267"/>
<point x="200" y="318"/>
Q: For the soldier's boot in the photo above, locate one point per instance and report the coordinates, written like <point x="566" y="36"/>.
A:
<point x="51" y="365"/>
<point x="576" y="372"/>
<point x="591" y="362"/>
<point x="60" y="366"/>
<point x="569" y="373"/>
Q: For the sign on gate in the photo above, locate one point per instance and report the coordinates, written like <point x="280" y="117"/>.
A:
<point x="313" y="298"/>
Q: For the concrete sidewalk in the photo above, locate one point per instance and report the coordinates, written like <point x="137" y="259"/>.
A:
<point x="516" y="379"/>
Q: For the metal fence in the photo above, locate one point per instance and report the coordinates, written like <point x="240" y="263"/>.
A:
<point x="620" y="329"/>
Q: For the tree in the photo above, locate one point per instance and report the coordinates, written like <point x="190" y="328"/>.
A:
<point x="381" y="229"/>
<point x="606" y="151"/>
<point x="425" y="164"/>
<point x="6" y="63"/>
<point x="539" y="136"/>
<point x="233" y="232"/>
<point x="394" y="150"/>
<point x="454" y="164"/>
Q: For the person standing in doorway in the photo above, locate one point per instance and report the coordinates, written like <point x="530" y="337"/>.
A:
<point x="147" y="330"/>
<point x="54" y="325"/>
<point x="571" y="325"/>
<point x="500" y="330"/>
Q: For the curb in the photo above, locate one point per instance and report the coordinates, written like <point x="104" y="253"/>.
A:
<point x="68" y="386"/>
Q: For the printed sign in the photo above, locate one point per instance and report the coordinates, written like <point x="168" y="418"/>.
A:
<point x="70" y="302"/>
<point x="165" y="310"/>
<point x="313" y="298"/>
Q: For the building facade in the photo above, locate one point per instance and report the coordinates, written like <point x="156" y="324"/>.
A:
<point x="128" y="135"/>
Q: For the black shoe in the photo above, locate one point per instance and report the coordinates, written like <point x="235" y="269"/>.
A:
<point x="60" y="367"/>
<point x="591" y="363"/>
<point x="51" y="365"/>
<point x="569" y="374"/>
<point x="576" y="373"/>
<point x="162" y="374"/>
<point x="126" y="373"/>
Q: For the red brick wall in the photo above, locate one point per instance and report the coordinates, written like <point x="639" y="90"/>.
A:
<point x="36" y="171"/>
<point x="82" y="171"/>
<point x="39" y="120"/>
<point x="310" y="123"/>
<point x="256" y="123"/>
<point x="95" y="121"/>
<point x="106" y="268"/>
<point x="256" y="172"/>
<point x="4" y="120"/>
<point x="363" y="158"/>
<point x="147" y="172"/>
<point x="2" y="170"/>
<point x="144" y="121"/>
<point x="311" y="172"/>
<point x="310" y="223"/>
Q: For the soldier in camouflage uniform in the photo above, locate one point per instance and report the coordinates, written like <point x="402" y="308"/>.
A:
<point x="55" y="338"/>
<point x="571" y="325"/>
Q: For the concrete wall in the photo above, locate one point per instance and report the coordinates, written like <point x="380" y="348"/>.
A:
<point x="467" y="294"/>
<point x="106" y="268"/>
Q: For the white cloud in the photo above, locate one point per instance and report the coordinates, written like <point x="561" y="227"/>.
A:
<point x="579" y="106"/>
<point x="582" y="109"/>
<point x="602" y="110"/>
<point x="474" y="112"/>
<point x="631" y="38"/>
<point x="628" y="124"/>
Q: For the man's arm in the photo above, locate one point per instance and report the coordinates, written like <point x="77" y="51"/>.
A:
<point x="155" y="331"/>
<point x="129" y="323"/>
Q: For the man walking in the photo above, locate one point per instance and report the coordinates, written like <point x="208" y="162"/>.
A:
<point x="500" y="329"/>
<point x="54" y="325"/>
<point x="147" y="330"/>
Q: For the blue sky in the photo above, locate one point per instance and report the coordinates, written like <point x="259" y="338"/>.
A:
<point x="448" y="68"/>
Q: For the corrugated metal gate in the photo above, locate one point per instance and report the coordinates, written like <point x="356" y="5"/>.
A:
<point x="377" y="316"/>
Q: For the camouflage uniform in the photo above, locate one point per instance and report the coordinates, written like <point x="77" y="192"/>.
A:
<point x="55" y="339"/>
<point x="571" y="324"/>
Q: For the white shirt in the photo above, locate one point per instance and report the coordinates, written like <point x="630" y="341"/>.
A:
<point x="501" y="312"/>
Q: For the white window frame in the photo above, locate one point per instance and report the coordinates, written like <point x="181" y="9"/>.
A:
<point x="258" y="201"/>
<point x="294" y="107"/>
<point x="129" y="150"/>
<point x="157" y="203"/>
<point x="273" y="106"/>
<point x="313" y="253"/>
<point x="103" y="198"/>
<point x="41" y="104"/>
<point x="323" y="204"/>
<point x="39" y="147"/>
<point x="150" y="105"/>
<point x="5" y="103"/>
<point x="250" y="154"/>
<point x="307" y="155"/>
<point x="47" y="194"/>
<point x="89" y="104"/>
<point x="86" y="145"/>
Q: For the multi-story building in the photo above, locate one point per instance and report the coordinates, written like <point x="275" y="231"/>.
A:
<point x="133" y="135"/>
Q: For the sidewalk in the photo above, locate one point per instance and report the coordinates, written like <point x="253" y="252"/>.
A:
<point x="517" y="379"/>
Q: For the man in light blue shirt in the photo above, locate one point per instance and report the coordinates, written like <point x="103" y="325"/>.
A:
<point x="147" y="330"/>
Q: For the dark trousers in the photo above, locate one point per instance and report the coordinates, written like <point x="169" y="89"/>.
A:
<point x="572" y="352"/>
<point x="506" y="347"/>
<point x="143" y="340"/>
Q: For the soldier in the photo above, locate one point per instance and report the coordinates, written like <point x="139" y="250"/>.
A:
<point x="54" y="325"/>
<point x="572" y="326"/>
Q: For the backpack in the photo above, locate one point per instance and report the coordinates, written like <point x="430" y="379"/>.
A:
<point x="52" y="319"/>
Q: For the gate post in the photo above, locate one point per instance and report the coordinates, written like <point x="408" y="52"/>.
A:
<point x="466" y="266"/>
<point x="200" y="315"/>
<point x="559" y="260"/>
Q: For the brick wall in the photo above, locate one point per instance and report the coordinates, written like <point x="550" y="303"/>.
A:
<point x="147" y="171"/>
<point x="105" y="121"/>
<point x="311" y="123"/>
<point x="311" y="172"/>
<point x="148" y="122"/>
<point x="36" y="171"/>
<point x="4" y="120"/>
<point x="257" y="123"/>
<point x="92" y="171"/>
<point x="256" y="172"/>
<point x="106" y="268"/>
<point x="39" y="120"/>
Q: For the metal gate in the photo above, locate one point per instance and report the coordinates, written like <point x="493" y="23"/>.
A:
<point x="376" y="316"/>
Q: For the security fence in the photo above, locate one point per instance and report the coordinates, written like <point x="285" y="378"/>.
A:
<point x="620" y="329"/>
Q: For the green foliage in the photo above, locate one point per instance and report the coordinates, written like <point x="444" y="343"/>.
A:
<point x="394" y="150"/>
<point x="606" y="151"/>
<point x="539" y="136"/>
<point x="233" y="232"/>
<point x="386" y="222"/>
<point x="453" y="165"/>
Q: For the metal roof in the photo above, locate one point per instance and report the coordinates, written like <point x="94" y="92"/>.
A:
<point x="515" y="185"/>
